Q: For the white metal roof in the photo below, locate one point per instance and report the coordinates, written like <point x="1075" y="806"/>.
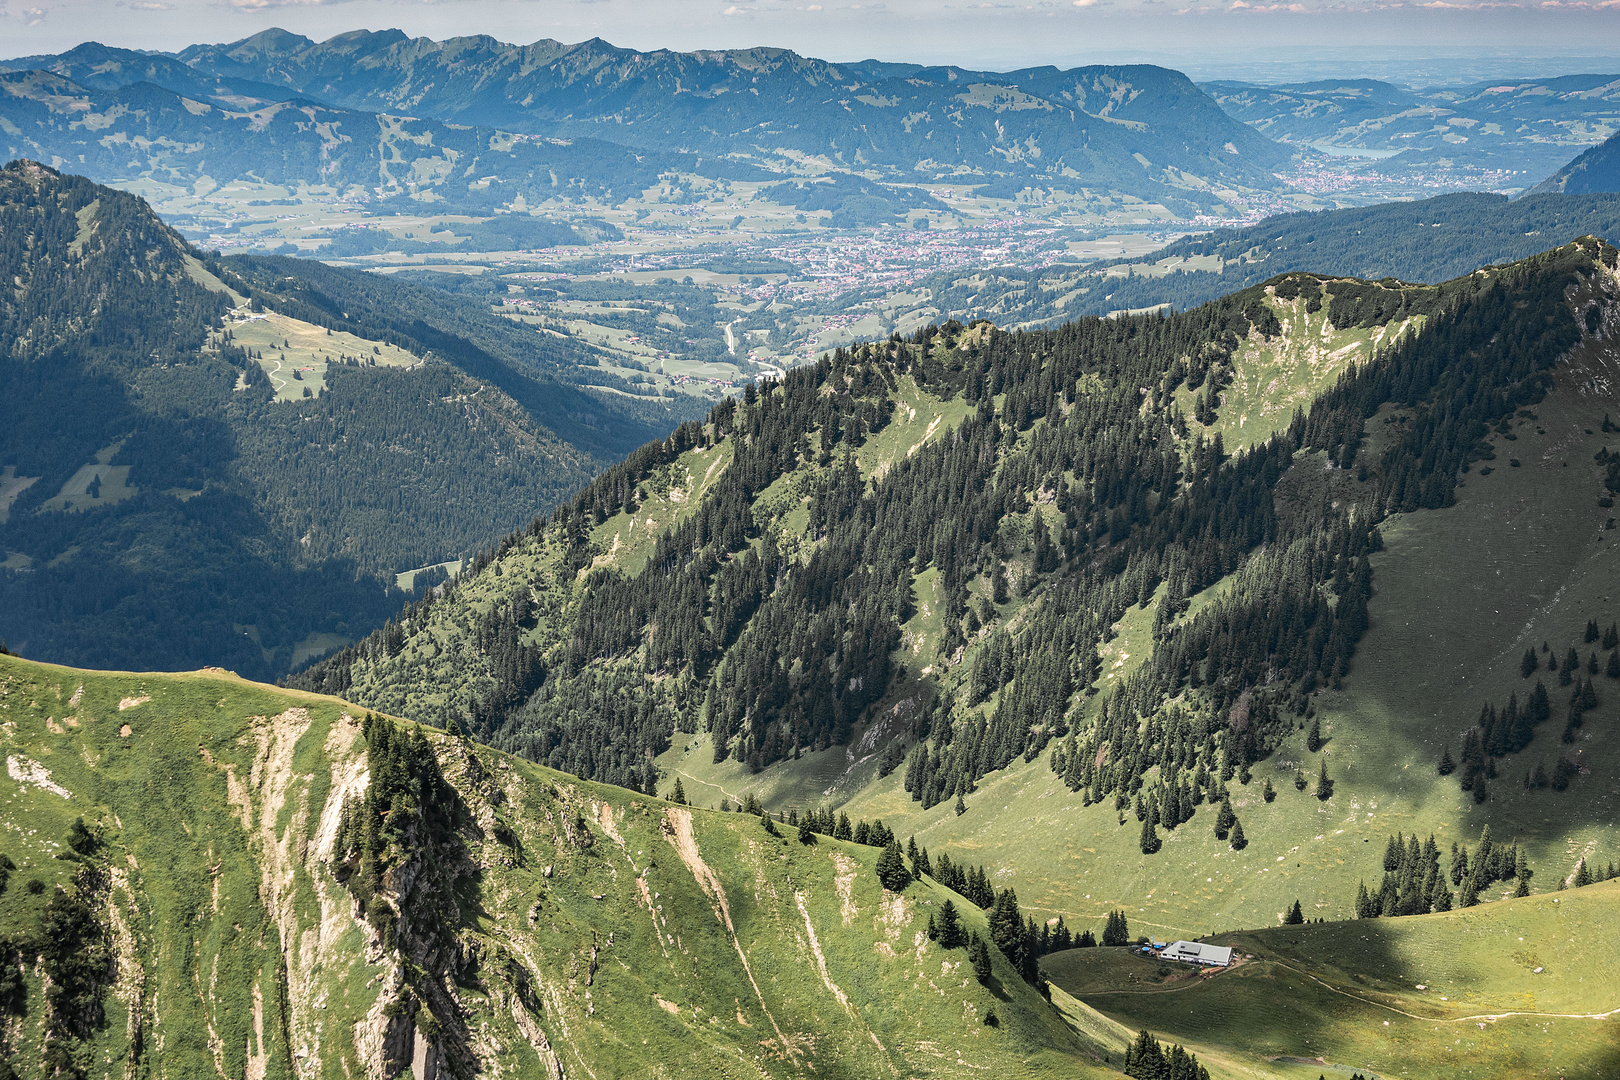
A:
<point x="1194" y="950"/>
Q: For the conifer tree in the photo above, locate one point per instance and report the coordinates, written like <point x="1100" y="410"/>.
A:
<point x="1530" y="664"/>
<point x="807" y="835"/>
<point x="1224" y="820"/>
<point x="1007" y="926"/>
<point x="1268" y="792"/>
<point x="891" y="869"/>
<point x="1117" y="931"/>
<point x="1295" y="916"/>
<point x="1324" y="784"/>
<point x="1150" y="841"/>
<point x="951" y="935"/>
<point x="979" y="957"/>
<point x="1446" y="766"/>
<point x="1239" y="841"/>
<point x="678" y="796"/>
<point x="1313" y="740"/>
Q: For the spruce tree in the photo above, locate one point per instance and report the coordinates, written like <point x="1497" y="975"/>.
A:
<point x="1530" y="664"/>
<point x="979" y="957"/>
<point x="1324" y="784"/>
<point x="1295" y="916"/>
<point x="1447" y="766"/>
<point x="891" y="869"/>
<point x="678" y="796"/>
<point x="1118" y="930"/>
<point x="1239" y="841"/>
<point x="1268" y="792"/>
<point x="1313" y="740"/>
<point x="1613" y="670"/>
<point x="951" y="935"/>
<point x="1150" y="841"/>
<point x="1007" y="927"/>
<point x="807" y="835"/>
<point x="1224" y="820"/>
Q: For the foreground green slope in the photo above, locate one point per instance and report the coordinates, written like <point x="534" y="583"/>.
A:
<point x="523" y="923"/>
<point x="1513" y="988"/>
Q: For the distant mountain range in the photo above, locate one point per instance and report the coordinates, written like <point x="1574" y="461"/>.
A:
<point x="1142" y="131"/>
<point x="1523" y="127"/>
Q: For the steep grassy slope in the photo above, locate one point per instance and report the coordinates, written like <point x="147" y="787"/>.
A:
<point x="528" y="925"/>
<point x="1507" y="989"/>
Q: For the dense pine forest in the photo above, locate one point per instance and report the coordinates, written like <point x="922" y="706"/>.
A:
<point x="780" y="611"/>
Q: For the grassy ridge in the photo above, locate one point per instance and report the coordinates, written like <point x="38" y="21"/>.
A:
<point x="599" y="931"/>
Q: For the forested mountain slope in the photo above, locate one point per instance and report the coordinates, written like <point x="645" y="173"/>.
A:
<point x="206" y="461"/>
<point x="1088" y="128"/>
<point x="204" y="876"/>
<point x="1594" y="170"/>
<point x="1032" y="564"/>
<point x="1429" y="240"/>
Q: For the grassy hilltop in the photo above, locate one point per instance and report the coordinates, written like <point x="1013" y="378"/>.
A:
<point x="529" y="924"/>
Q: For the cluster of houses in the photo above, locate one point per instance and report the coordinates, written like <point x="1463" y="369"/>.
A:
<point x="1189" y="952"/>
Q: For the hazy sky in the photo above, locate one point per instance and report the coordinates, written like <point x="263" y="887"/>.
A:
<point x="1207" y="37"/>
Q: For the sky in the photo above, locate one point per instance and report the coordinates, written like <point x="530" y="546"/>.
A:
<point x="1424" y="40"/>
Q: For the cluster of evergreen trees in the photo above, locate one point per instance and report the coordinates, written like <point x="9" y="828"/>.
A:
<point x="1414" y="883"/>
<point x="1500" y="732"/>
<point x="65" y="941"/>
<point x="1147" y="1059"/>
<point x="406" y="802"/>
